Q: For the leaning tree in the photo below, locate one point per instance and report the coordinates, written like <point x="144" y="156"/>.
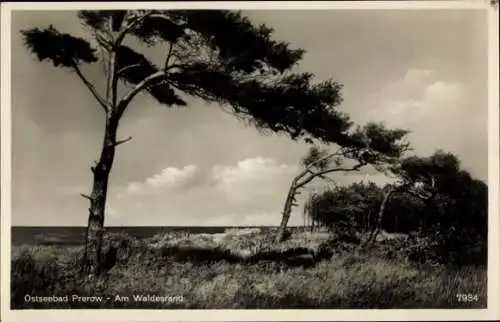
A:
<point x="433" y="180"/>
<point x="370" y="145"/>
<point x="218" y="56"/>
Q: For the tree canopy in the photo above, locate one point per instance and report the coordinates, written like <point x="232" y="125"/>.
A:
<point x="216" y="55"/>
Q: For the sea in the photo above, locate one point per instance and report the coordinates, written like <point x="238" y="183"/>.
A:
<point x="31" y="235"/>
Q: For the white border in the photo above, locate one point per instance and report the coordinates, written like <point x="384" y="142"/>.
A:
<point x="493" y="311"/>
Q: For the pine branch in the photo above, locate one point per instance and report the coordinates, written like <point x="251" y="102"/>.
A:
<point x="331" y="170"/>
<point x="326" y="157"/>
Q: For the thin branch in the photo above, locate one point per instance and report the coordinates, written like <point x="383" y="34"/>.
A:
<point x="122" y="141"/>
<point x="110" y="76"/>
<point x="92" y="89"/>
<point x="169" y="55"/>
<point x="121" y="71"/>
<point x="114" y="79"/>
<point x="308" y="169"/>
<point x="131" y="25"/>
<point x="317" y="174"/>
<point x="86" y="196"/>
<point x="301" y="175"/>
<point x="127" y="98"/>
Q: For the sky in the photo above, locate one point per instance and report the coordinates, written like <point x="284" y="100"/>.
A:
<point x="421" y="70"/>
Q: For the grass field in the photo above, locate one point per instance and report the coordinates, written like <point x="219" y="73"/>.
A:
<point x="236" y="270"/>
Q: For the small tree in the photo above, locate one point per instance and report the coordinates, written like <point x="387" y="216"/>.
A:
<point x="218" y="56"/>
<point x="426" y="178"/>
<point x="415" y="176"/>
<point x="346" y="209"/>
<point x="371" y="144"/>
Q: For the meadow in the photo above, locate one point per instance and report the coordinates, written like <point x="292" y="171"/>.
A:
<point x="243" y="269"/>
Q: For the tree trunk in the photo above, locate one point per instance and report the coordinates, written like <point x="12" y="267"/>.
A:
<point x="287" y="210"/>
<point x="366" y="220"/>
<point x="429" y="210"/>
<point x="378" y="220"/>
<point x="396" y="222"/>
<point x="95" y="228"/>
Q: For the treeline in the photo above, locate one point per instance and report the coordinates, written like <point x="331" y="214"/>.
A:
<point x="432" y="198"/>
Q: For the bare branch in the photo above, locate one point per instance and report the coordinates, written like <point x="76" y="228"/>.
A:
<point x="121" y="71"/>
<point x="301" y="175"/>
<point x="110" y="77"/>
<point x="123" y="141"/>
<point x="86" y="196"/>
<point x="127" y="98"/>
<point x="169" y="55"/>
<point x="92" y="89"/>
<point x="114" y="79"/>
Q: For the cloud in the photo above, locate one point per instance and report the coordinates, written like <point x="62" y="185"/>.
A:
<point x="250" y="192"/>
<point x="168" y="178"/>
<point x="418" y="97"/>
<point x="440" y="114"/>
<point x="430" y="107"/>
<point x="253" y="176"/>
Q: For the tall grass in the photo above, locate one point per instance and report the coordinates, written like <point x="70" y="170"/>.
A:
<point x="349" y="279"/>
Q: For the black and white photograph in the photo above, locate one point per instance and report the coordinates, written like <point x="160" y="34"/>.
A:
<point x="196" y="157"/>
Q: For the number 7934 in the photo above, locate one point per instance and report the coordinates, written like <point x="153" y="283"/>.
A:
<point x="464" y="298"/>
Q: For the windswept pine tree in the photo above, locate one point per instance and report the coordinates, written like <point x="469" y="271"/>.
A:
<point x="369" y="145"/>
<point x="218" y="56"/>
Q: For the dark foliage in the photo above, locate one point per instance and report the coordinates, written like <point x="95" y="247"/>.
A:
<point x="452" y="224"/>
<point x="62" y="49"/>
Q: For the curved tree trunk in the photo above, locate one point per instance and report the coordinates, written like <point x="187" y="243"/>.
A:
<point x="296" y="185"/>
<point x="287" y="210"/>
<point x="95" y="228"/>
